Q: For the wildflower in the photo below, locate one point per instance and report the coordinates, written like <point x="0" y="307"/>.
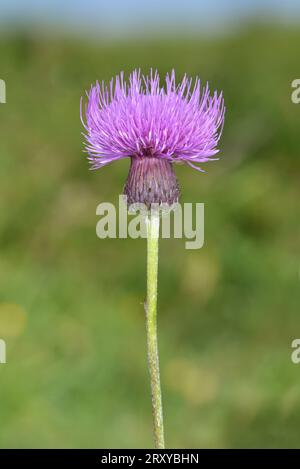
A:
<point x="155" y="127"/>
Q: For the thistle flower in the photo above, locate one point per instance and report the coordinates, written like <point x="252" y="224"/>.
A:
<point x="155" y="127"/>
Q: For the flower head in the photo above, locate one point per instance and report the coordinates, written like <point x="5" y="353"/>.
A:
<point x="140" y="118"/>
<point x="154" y="126"/>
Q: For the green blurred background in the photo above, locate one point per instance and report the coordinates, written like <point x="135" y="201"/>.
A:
<point x="71" y="305"/>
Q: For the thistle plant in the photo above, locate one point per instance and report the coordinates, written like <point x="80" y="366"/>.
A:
<point x="155" y="126"/>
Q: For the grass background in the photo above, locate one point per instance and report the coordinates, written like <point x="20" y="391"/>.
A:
<point x="71" y="305"/>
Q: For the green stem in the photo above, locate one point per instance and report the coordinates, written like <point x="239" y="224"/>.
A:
<point x="151" y="320"/>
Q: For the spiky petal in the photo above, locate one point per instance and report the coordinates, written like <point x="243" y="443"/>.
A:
<point x="141" y="118"/>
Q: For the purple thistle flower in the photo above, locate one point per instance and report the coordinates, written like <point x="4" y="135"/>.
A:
<point x="155" y="127"/>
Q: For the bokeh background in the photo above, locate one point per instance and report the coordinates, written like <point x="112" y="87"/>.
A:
<point x="71" y="305"/>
